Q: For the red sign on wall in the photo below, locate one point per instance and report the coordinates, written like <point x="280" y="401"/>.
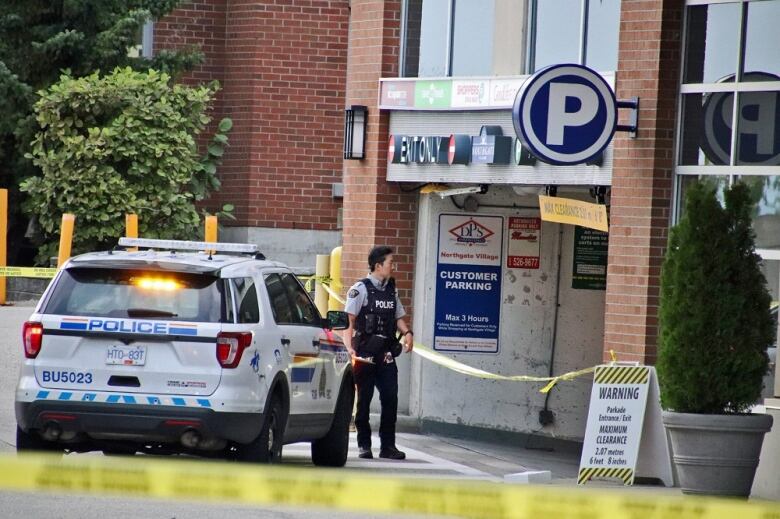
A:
<point x="524" y="237"/>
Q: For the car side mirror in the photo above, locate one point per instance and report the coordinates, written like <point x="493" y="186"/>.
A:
<point x="338" y="320"/>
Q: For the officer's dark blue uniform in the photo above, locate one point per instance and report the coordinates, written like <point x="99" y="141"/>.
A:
<point x="375" y="339"/>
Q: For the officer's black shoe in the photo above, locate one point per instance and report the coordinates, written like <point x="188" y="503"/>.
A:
<point x="365" y="453"/>
<point x="392" y="453"/>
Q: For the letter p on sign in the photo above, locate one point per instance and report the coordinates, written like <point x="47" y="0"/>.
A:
<point x="565" y="114"/>
<point x="558" y="118"/>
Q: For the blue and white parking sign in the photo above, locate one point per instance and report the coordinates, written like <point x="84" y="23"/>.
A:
<point x="468" y="283"/>
<point x="565" y="114"/>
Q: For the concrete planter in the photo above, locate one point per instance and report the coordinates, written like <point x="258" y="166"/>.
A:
<point x="716" y="454"/>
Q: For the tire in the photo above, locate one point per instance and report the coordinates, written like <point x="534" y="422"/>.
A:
<point x="332" y="449"/>
<point x="267" y="447"/>
<point x="31" y="442"/>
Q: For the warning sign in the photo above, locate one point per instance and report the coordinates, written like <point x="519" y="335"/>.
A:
<point x="524" y="237"/>
<point x="575" y="212"/>
<point x="615" y="418"/>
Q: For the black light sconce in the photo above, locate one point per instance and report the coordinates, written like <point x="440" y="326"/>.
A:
<point x="355" y="121"/>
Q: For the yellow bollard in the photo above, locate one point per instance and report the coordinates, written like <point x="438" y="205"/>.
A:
<point x="66" y="238"/>
<point x="320" y="271"/>
<point x="3" y="239"/>
<point x="335" y="278"/>
<point x="131" y="228"/>
<point x="211" y="229"/>
<point x="210" y="234"/>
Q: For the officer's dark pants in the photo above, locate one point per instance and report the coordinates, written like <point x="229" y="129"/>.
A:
<point x="385" y="378"/>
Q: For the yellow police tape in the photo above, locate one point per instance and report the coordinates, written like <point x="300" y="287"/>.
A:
<point x="351" y="491"/>
<point x="464" y="369"/>
<point x="27" y="272"/>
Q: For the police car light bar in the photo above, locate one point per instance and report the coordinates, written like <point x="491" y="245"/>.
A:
<point x="247" y="248"/>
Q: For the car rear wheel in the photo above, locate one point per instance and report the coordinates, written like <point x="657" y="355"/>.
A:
<point x="267" y="447"/>
<point x="31" y="442"/>
<point x="332" y="449"/>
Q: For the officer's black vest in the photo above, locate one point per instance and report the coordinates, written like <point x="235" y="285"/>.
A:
<point x="378" y="316"/>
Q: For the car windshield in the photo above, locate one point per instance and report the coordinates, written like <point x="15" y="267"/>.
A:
<point x="101" y="292"/>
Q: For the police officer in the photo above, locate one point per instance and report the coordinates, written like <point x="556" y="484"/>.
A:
<point x="375" y="314"/>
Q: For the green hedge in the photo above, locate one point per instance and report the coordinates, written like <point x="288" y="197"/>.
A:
<point x="123" y="143"/>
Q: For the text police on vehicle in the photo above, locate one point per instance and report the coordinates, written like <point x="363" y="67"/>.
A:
<point x="565" y="114"/>
<point x="161" y="351"/>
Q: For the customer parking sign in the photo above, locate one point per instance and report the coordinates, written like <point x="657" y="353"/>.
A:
<point x="468" y="283"/>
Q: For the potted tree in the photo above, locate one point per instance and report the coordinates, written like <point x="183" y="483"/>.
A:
<point x="715" y="325"/>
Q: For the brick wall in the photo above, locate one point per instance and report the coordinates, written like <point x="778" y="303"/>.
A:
<point x="282" y="66"/>
<point x="648" y="67"/>
<point x="375" y="212"/>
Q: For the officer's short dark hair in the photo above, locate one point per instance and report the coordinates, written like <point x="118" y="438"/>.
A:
<point x="378" y="255"/>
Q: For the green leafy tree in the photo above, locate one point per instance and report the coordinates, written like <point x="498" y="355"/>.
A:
<point x="123" y="143"/>
<point x="715" y="321"/>
<point x="39" y="39"/>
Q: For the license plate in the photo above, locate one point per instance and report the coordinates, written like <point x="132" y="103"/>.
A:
<point x="126" y="355"/>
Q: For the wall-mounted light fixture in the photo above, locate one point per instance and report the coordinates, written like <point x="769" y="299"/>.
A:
<point x="355" y="120"/>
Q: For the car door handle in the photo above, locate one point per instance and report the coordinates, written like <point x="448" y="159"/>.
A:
<point x="285" y="342"/>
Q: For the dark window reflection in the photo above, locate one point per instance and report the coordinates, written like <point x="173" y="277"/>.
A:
<point x="706" y="129"/>
<point x="712" y="42"/>
<point x="758" y="139"/>
<point x="412" y="36"/>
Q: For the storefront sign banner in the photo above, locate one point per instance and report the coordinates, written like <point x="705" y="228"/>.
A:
<point x="524" y="242"/>
<point x="589" y="269"/>
<point x="397" y="94"/>
<point x="504" y="91"/>
<point x="432" y="94"/>
<point x="470" y="94"/>
<point x="575" y="212"/>
<point x="468" y="283"/>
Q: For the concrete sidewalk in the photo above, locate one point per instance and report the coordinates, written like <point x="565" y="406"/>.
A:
<point x="498" y="457"/>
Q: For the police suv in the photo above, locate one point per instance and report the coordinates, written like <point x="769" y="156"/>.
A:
<point x="213" y="352"/>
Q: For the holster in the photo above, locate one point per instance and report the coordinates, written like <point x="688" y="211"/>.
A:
<point x="373" y="345"/>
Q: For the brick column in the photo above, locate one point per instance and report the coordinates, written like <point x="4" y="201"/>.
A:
<point x="375" y="212"/>
<point x="648" y="67"/>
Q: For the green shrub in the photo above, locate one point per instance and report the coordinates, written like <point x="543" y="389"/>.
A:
<point x="715" y="322"/>
<point x="123" y="143"/>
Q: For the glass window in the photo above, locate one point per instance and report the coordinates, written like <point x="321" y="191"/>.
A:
<point x="280" y="304"/>
<point x="304" y="311"/>
<point x="152" y="295"/>
<point x="719" y="182"/>
<point x="766" y="212"/>
<point x="712" y="42"/>
<point x="411" y="45"/>
<point x="472" y="39"/>
<point x="557" y="38"/>
<point x="463" y="38"/>
<point x="603" y="28"/>
<point x="762" y="40"/>
<point x="246" y="300"/>
<point x="706" y="129"/>
<point x="758" y="138"/>
<point x="434" y="38"/>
